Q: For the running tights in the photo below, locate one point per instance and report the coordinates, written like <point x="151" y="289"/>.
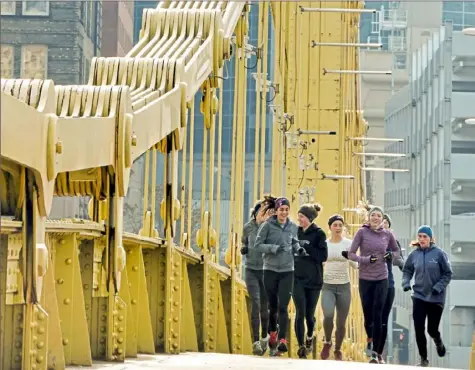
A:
<point x="305" y="300"/>
<point x="373" y="296"/>
<point x="421" y="311"/>
<point x="279" y="287"/>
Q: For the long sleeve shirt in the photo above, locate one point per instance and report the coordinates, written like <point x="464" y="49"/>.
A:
<point x="336" y="269"/>
<point x="373" y="243"/>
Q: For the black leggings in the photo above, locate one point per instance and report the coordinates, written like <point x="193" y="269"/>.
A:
<point x="279" y="290"/>
<point x="385" y="319"/>
<point x="373" y="296"/>
<point x="421" y="311"/>
<point x="305" y="300"/>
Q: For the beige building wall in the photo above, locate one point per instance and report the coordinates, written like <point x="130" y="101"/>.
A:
<point x="423" y="18"/>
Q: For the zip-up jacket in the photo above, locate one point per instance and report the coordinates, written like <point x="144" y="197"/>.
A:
<point x="399" y="262"/>
<point x="430" y="267"/>
<point x="253" y="259"/>
<point x="309" y="269"/>
<point x="373" y="243"/>
<point x="270" y="236"/>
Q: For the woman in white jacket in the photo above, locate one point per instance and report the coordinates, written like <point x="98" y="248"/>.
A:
<point x="336" y="291"/>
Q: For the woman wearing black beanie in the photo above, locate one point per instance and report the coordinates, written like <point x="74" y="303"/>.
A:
<point x="308" y="275"/>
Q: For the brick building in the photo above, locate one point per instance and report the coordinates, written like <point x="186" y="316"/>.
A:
<point x="54" y="40"/>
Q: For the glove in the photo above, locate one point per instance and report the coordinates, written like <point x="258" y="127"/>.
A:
<point x="303" y="242"/>
<point x="407" y="288"/>
<point x="388" y="256"/>
<point x="372" y="259"/>
<point x="244" y="250"/>
<point x="345" y="254"/>
<point x="280" y="248"/>
<point x="302" y="252"/>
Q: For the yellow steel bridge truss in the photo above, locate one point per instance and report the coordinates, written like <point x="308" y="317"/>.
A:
<point x="77" y="290"/>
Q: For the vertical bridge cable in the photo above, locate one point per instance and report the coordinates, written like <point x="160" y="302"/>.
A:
<point x="218" y="170"/>
<point x="255" y="194"/>
<point x="264" y="53"/>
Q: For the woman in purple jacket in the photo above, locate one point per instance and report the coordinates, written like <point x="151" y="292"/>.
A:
<point x="372" y="240"/>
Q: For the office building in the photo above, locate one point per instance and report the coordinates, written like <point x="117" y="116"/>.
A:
<point x="401" y="27"/>
<point x="439" y="189"/>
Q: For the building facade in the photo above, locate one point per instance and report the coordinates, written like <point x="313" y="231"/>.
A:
<point x="117" y="28"/>
<point x="401" y="27"/>
<point x="439" y="189"/>
<point x="53" y="40"/>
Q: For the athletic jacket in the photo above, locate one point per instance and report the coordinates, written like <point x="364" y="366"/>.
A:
<point x="430" y="267"/>
<point x="253" y="259"/>
<point x="270" y="236"/>
<point x="309" y="269"/>
<point x="372" y="243"/>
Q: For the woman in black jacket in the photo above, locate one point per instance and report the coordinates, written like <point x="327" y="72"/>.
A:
<point x="308" y="275"/>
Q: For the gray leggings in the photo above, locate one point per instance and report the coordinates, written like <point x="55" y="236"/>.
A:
<point x="335" y="296"/>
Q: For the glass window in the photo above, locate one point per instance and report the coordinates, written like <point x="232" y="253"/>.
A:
<point x="35" y="8"/>
<point x="7" y="59"/>
<point x="34" y="61"/>
<point x="8" y="8"/>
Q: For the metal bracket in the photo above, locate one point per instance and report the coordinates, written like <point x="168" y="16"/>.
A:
<point x="268" y="84"/>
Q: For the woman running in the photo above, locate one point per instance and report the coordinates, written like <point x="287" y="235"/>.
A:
<point x="388" y="305"/>
<point x="431" y="270"/>
<point x="254" y="276"/>
<point x="308" y="275"/>
<point x="336" y="292"/>
<point x="277" y="239"/>
<point x="373" y="241"/>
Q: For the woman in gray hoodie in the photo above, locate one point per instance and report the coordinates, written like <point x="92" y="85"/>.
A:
<point x="277" y="240"/>
<point x="431" y="270"/>
<point x="254" y="276"/>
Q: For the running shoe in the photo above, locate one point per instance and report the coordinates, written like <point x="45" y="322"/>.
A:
<point x="381" y="359"/>
<point x="424" y="363"/>
<point x="439" y="345"/>
<point x="302" y="352"/>
<point x="374" y="359"/>
<point x="325" y="351"/>
<point x="338" y="355"/>
<point x="257" y="348"/>
<point x="282" y="347"/>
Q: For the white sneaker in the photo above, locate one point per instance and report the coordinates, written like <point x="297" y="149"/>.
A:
<point x="265" y="343"/>
<point x="257" y="348"/>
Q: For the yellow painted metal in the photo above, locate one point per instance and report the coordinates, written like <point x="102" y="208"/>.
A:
<point x="88" y="290"/>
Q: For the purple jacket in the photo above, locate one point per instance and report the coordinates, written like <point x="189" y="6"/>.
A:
<point x="372" y="242"/>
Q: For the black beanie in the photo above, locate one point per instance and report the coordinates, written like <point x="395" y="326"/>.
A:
<point x="335" y="218"/>
<point x="310" y="211"/>
<point x="387" y="218"/>
<point x="282" y="202"/>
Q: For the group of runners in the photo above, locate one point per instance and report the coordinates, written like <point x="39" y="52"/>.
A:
<point x="284" y="261"/>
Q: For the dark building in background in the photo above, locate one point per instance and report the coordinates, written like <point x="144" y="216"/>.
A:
<point x="50" y="40"/>
<point x="117" y="27"/>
